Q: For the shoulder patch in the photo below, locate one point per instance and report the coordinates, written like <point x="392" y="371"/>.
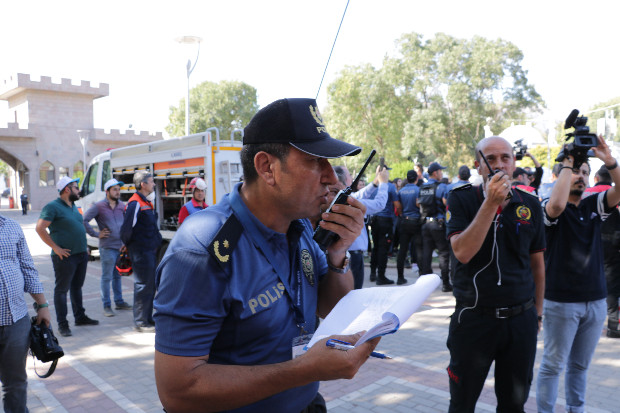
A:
<point x="225" y="241"/>
<point x="460" y="187"/>
<point x="527" y="189"/>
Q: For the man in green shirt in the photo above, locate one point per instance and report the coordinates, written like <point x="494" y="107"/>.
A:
<point x="67" y="239"/>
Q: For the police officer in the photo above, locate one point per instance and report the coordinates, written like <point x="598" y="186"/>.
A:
<point x="498" y="284"/>
<point x="434" y="228"/>
<point x="382" y="237"/>
<point x="240" y="288"/>
<point x="409" y="225"/>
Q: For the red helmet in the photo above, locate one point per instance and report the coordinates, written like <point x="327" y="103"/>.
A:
<point x="197" y="183"/>
<point x="123" y="264"/>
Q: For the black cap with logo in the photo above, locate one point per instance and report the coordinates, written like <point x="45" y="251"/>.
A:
<point x="298" y="122"/>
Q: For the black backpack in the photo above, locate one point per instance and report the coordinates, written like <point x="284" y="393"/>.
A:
<point x="428" y="202"/>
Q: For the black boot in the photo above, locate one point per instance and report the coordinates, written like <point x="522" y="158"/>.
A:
<point x="373" y="277"/>
<point x="401" y="280"/>
<point x="383" y="280"/>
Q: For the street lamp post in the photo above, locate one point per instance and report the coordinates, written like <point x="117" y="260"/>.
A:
<point x="83" y="135"/>
<point x="190" y="69"/>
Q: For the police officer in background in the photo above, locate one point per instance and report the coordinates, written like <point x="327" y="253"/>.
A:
<point x="239" y="289"/>
<point x="498" y="284"/>
<point x="382" y="235"/>
<point x="432" y="203"/>
<point x="409" y="224"/>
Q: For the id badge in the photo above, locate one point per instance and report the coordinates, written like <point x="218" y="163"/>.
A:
<point x="299" y="344"/>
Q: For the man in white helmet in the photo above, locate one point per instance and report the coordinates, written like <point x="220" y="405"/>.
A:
<point x="197" y="186"/>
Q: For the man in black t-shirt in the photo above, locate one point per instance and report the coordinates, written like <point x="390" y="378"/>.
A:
<point x="498" y="283"/>
<point x="575" y="291"/>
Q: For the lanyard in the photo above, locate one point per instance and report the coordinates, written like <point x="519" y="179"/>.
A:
<point x="296" y="300"/>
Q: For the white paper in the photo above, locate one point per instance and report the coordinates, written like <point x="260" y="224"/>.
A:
<point x="378" y="310"/>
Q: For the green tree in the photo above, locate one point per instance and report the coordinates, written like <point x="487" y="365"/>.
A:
<point x="432" y="100"/>
<point x="465" y="85"/>
<point x="365" y="109"/>
<point x="226" y="105"/>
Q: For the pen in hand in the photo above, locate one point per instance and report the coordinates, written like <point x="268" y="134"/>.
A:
<point x="343" y="345"/>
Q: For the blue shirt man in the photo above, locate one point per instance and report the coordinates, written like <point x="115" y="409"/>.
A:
<point x="109" y="214"/>
<point x="239" y="288"/>
<point x="409" y="226"/>
<point x="373" y="196"/>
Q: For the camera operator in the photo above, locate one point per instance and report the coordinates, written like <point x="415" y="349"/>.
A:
<point x="498" y="283"/>
<point x="575" y="293"/>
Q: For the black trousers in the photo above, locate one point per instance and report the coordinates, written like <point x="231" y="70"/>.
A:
<point x="478" y="340"/>
<point x="434" y="237"/>
<point x="410" y="232"/>
<point x="357" y="268"/>
<point x="381" y="240"/>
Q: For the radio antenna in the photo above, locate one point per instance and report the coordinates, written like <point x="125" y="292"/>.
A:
<point x="330" y="53"/>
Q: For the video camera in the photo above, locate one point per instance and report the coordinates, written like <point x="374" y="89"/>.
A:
<point x="582" y="141"/>
<point x="519" y="149"/>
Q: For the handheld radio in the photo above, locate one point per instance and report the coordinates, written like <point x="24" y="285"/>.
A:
<point x="324" y="237"/>
<point x="493" y="172"/>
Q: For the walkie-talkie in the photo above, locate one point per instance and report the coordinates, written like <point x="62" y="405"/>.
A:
<point x="493" y="172"/>
<point x="324" y="237"/>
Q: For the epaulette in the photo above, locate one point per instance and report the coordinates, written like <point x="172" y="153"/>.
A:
<point x="463" y="186"/>
<point x="527" y="189"/>
<point x="225" y="241"/>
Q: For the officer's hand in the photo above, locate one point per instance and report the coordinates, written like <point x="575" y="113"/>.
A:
<point x="327" y="363"/>
<point x="104" y="233"/>
<point x="498" y="187"/>
<point x="346" y="220"/>
<point x="62" y="252"/>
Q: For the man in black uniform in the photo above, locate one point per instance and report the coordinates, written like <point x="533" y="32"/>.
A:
<point x="498" y="283"/>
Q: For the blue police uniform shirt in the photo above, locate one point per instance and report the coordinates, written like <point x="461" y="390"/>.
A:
<point x="388" y="211"/>
<point x="237" y="302"/>
<point x="441" y="192"/>
<point x="407" y="196"/>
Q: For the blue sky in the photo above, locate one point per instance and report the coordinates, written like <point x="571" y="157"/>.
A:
<point x="281" y="47"/>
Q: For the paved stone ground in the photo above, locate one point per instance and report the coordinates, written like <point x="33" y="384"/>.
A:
<point x="109" y="368"/>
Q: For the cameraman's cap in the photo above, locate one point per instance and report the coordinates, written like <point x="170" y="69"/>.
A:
<point x="64" y="181"/>
<point x="434" y="166"/>
<point x="109" y="184"/>
<point x="298" y="122"/>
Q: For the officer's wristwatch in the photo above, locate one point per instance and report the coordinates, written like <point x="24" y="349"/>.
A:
<point x="346" y="266"/>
